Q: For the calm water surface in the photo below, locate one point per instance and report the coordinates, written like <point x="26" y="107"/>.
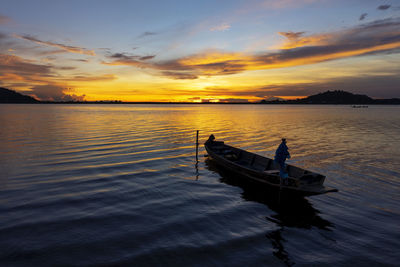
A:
<point x="107" y="185"/>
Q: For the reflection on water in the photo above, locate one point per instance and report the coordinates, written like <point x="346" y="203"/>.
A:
<point x="289" y="211"/>
<point x="277" y="243"/>
<point x="119" y="185"/>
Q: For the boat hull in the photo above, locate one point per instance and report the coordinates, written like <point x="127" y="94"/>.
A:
<point x="266" y="178"/>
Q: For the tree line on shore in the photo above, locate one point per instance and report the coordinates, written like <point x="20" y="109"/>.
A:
<point x="336" y="97"/>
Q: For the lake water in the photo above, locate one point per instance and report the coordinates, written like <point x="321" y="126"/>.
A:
<point x="112" y="185"/>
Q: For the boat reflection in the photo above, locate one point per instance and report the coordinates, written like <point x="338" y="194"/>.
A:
<point x="290" y="211"/>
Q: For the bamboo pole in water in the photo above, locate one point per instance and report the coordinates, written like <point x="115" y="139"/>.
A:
<point x="197" y="145"/>
<point x="197" y="155"/>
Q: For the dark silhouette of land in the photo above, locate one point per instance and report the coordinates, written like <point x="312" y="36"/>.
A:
<point x="335" y="97"/>
<point x="338" y="98"/>
<point x="9" y="96"/>
<point x="329" y="97"/>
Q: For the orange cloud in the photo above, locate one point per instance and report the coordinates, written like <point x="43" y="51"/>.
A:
<point x="296" y="39"/>
<point x="11" y="77"/>
<point x="375" y="37"/>
<point x="22" y="67"/>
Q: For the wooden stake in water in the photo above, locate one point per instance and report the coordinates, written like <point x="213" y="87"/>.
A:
<point x="197" y="155"/>
<point x="197" y="145"/>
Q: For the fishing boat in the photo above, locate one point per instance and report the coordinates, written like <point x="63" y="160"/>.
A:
<point x="265" y="171"/>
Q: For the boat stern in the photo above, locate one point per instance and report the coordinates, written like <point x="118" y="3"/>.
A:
<point x="312" y="179"/>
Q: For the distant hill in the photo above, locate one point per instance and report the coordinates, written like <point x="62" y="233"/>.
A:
<point x="338" y="98"/>
<point x="10" y="96"/>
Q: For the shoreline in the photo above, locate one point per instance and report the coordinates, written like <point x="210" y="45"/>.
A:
<point x="203" y="103"/>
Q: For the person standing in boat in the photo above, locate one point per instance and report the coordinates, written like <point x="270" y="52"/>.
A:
<point x="281" y="154"/>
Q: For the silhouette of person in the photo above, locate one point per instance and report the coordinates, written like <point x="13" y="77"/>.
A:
<point x="281" y="155"/>
<point x="211" y="139"/>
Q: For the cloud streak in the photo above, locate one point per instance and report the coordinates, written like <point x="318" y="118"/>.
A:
<point x="67" y="48"/>
<point x="375" y="37"/>
<point x="145" y="34"/>
<point x="118" y="59"/>
<point x="220" y="28"/>
<point x="10" y="64"/>
<point x="91" y="78"/>
<point x="357" y="84"/>
<point x="383" y="7"/>
<point x="292" y="35"/>
<point x="363" y="16"/>
<point x="127" y="57"/>
<point x="55" y="92"/>
<point x="42" y="79"/>
<point x="179" y="75"/>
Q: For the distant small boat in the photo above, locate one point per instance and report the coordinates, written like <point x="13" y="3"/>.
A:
<point x="265" y="171"/>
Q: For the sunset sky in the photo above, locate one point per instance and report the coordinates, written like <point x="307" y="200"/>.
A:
<point x="199" y="50"/>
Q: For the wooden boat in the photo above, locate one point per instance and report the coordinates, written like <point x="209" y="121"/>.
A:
<point x="265" y="171"/>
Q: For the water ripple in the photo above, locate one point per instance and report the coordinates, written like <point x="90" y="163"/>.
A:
<point x="119" y="185"/>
